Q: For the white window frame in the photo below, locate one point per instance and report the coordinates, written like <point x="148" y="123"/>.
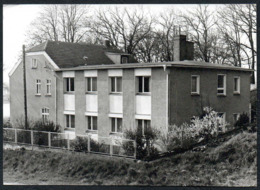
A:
<point x="48" y="87"/>
<point x="91" y="123"/>
<point x="45" y="114"/>
<point x="143" y="124"/>
<point x="69" y="127"/>
<point x="34" y="63"/>
<point x="138" y="78"/>
<point x="237" y="117"/>
<point x="197" y="84"/>
<point x="238" y="85"/>
<point x="224" y="85"/>
<point x="69" y="79"/>
<point x="116" y="127"/>
<point x="38" y="86"/>
<point x="116" y="90"/>
<point x="91" y="84"/>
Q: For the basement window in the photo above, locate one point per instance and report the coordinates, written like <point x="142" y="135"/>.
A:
<point x="92" y="123"/>
<point x="70" y="121"/>
<point x="195" y="84"/>
<point x="236" y="85"/>
<point x="221" y="85"/>
<point x="116" y="125"/>
<point x="143" y="125"/>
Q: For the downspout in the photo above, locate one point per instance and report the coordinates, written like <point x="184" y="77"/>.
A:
<point x="167" y="96"/>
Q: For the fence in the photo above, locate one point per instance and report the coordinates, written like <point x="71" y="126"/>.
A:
<point x="82" y="143"/>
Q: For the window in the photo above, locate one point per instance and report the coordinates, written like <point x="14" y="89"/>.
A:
<point x="70" y="121"/>
<point x="116" y="125"/>
<point x="235" y="117"/>
<point x="69" y="84"/>
<point x="92" y="123"/>
<point x="124" y="59"/>
<point x="221" y="85"/>
<point x="195" y="84"/>
<point x="48" y="85"/>
<point x="34" y="63"/>
<point x="143" y="84"/>
<point x="38" y="87"/>
<point x="91" y="84"/>
<point x="116" y="84"/>
<point x="45" y="114"/>
<point x="142" y="125"/>
<point x="236" y="85"/>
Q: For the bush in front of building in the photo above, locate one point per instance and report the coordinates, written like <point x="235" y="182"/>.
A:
<point x="243" y="121"/>
<point x="80" y="144"/>
<point x="145" y="148"/>
<point x="204" y="127"/>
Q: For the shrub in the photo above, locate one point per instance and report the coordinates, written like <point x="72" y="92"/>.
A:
<point x="7" y="123"/>
<point x="203" y="127"/>
<point x="80" y="144"/>
<point x="46" y="126"/>
<point x="144" y="143"/>
<point x="242" y="121"/>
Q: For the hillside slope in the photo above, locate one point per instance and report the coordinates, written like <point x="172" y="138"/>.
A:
<point x="228" y="163"/>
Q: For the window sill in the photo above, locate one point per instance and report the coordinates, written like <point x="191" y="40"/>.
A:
<point x="91" y="131"/>
<point x="94" y="92"/>
<point x="69" y="92"/>
<point x="69" y="129"/>
<point x="195" y="93"/>
<point x="38" y="95"/>
<point x="144" y="93"/>
<point x="116" y="133"/>
<point x="236" y="93"/>
<point x="116" y="93"/>
<point x="47" y="95"/>
<point x="221" y="95"/>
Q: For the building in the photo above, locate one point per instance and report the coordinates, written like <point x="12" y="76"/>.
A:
<point x="102" y="91"/>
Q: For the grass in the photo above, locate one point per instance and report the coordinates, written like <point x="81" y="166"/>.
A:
<point x="229" y="163"/>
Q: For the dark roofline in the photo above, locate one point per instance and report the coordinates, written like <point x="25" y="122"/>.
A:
<point x="182" y="64"/>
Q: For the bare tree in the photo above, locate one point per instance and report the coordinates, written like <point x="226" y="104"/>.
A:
<point x="239" y="31"/>
<point x="59" y="23"/>
<point x="124" y="28"/>
<point x="200" y="24"/>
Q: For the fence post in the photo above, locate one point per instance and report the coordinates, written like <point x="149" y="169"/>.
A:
<point x="111" y="147"/>
<point x="135" y="149"/>
<point x="49" y="139"/>
<point x="15" y="136"/>
<point x="68" y="141"/>
<point x="32" y="138"/>
<point x="88" y="143"/>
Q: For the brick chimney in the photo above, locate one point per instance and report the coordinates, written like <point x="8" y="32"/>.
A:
<point x="183" y="49"/>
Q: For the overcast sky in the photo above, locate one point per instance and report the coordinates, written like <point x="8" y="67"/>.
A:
<point x="16" y="21"/>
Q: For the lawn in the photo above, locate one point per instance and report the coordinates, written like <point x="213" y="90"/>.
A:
<point x="228" y="163"/>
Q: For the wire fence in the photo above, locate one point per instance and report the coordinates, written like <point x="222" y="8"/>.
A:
<point x="82" y="143"/>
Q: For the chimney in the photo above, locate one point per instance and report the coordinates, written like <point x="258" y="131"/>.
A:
<point x="182" y="49"/>
<point x="107" y="43"/>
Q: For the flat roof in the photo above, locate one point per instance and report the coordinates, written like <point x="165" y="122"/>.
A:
<point x="182" y="64"/>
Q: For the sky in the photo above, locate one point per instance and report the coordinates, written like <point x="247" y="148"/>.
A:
<point x="17" y="19"/>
